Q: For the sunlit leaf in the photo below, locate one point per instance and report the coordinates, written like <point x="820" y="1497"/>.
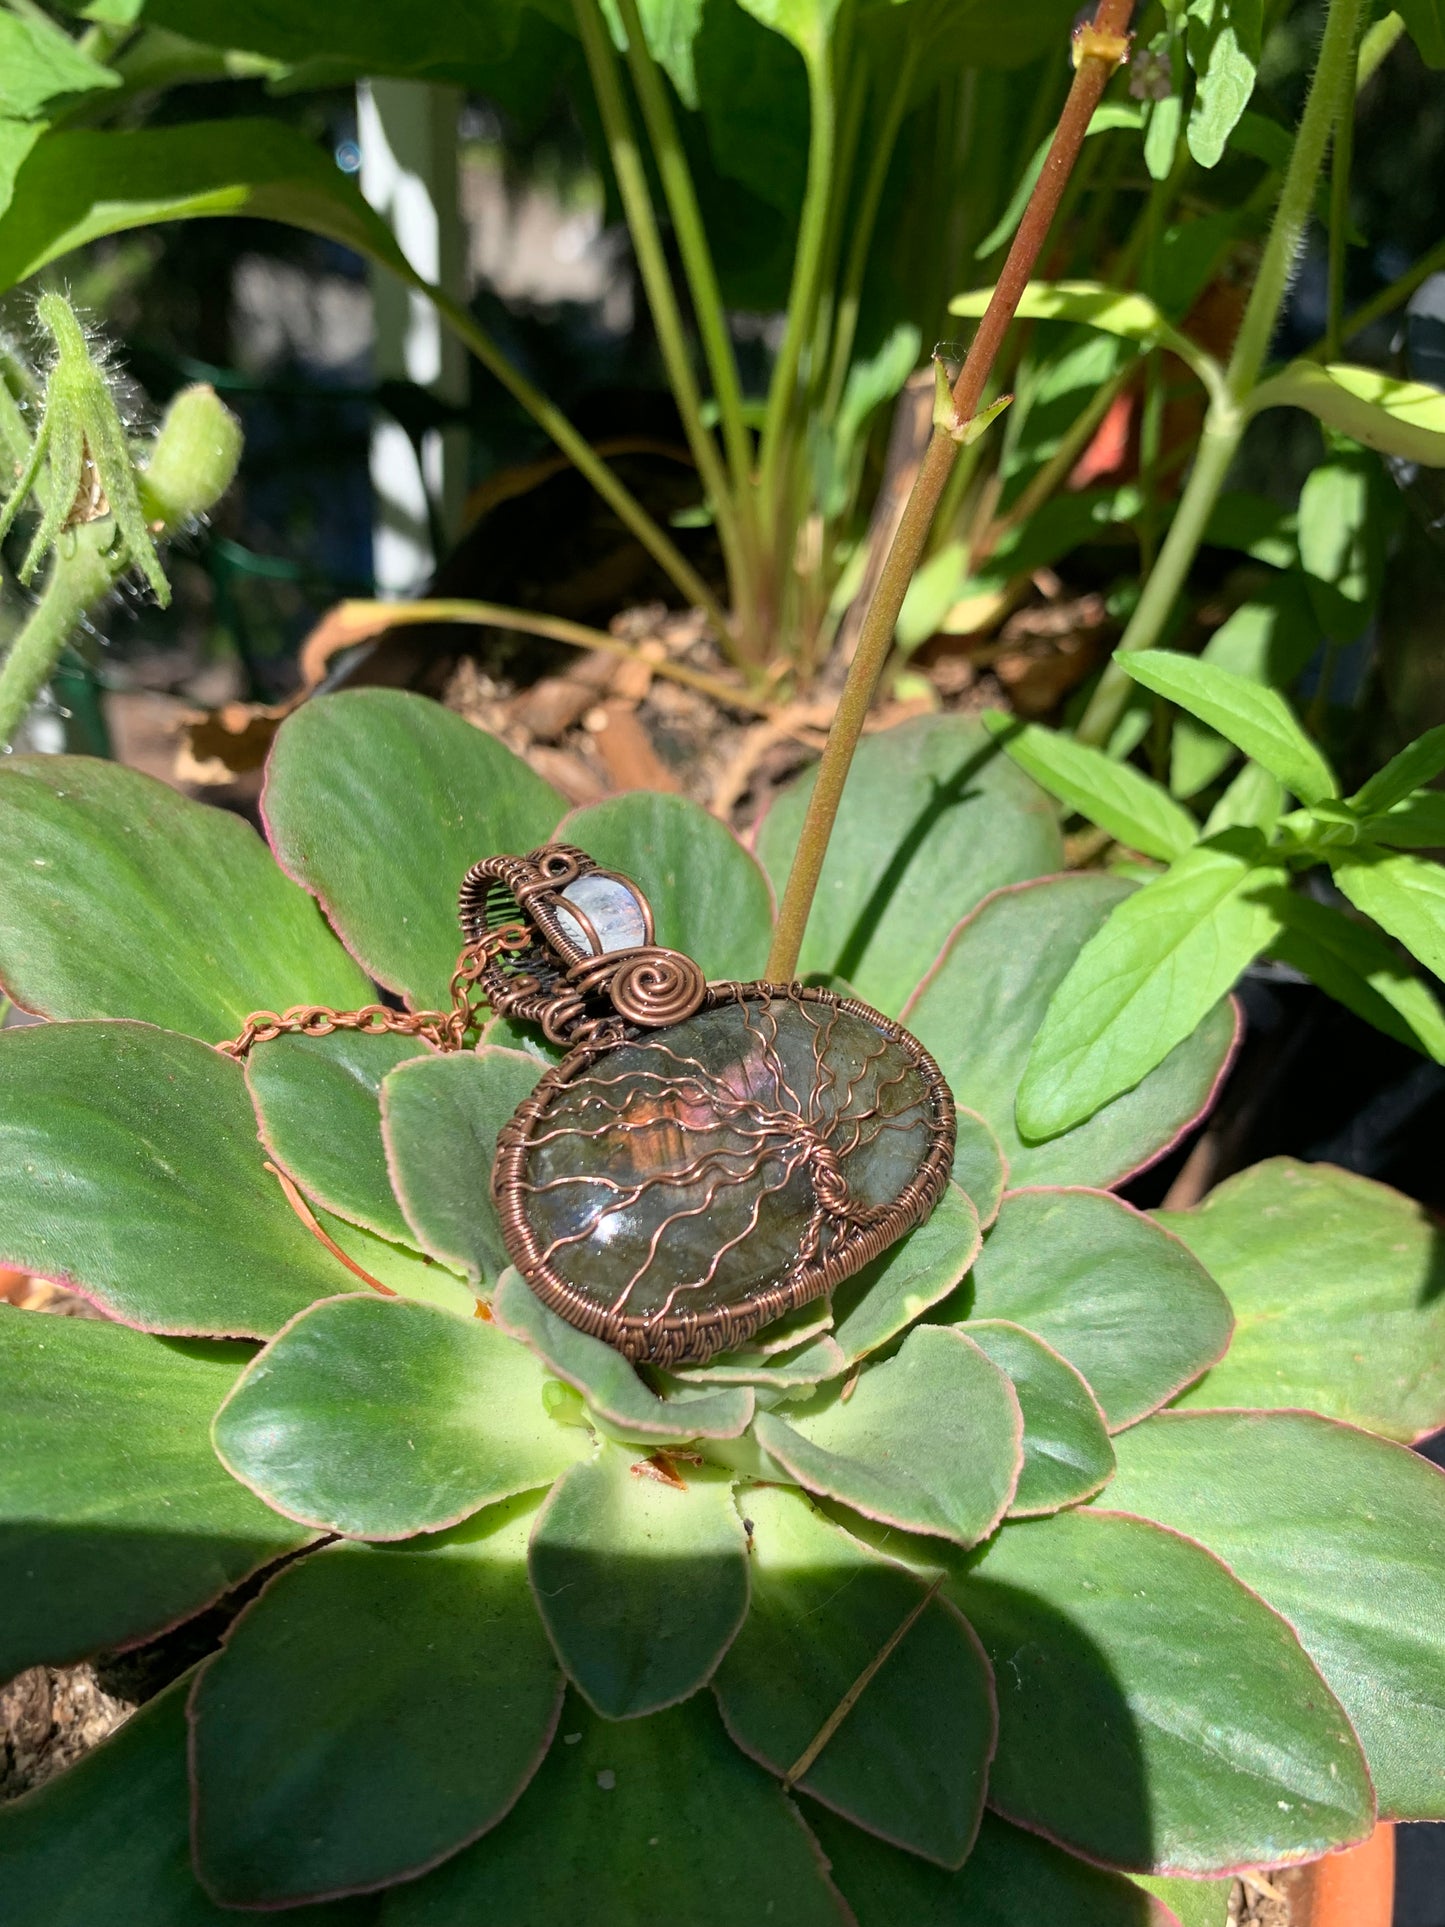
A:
<point x="1404" y="894"/>
<point x="1405" y="418"/>
<point x="920" y="1270"/>
<point x="1257" y="720"/>
<point x="1119" y="798"/>
<point x="1067" y="1454"/>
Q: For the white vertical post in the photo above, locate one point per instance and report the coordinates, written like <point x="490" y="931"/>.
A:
<point x="407" y="132"/>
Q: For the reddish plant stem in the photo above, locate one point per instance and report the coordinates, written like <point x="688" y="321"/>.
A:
<point x="1099" y="48"/>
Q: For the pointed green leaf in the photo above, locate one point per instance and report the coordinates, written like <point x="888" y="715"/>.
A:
<point x="1223" y="41"/>
<point x="1417" y="764"/>
<point x="930" y="1440"/>
<point x="1011" y="1879"/>
<point x="1210" y="1739"/>
<point x="1253" y="800"/>
<point x="980" y="1169"/>
<point x="1338" y="1286"/>
<point x="40" y="62"/>
<point x="709" y="896"/>
<point x="1357" y="967"/>
<point x="379" y="803"/>
<point x="1133" y="317"/>
<point x="1257" y="720"/>
<point x="932" y="819"/>
<point x="1404" y="894"/>
<point x="1120" y="799"/>
<point x="1132" y="1310"/>
<point x="1067" y="1453"/>
<point x="373" y="1711"/>
<point x="909" y="1760"/>
<point x="1425" y="23"/>
<point x="381" y="1417"/>
<point x="441" y="1116"/>
<point x="1342" y="1533"/>
<point x="319" y="1102"/>
<point x="1341" y="541"/>
<point x="123" y="899"/>
<point x="1268" y="639"/>
<point x="615" y="1395"/>
<point x="115" y="1519"/>
<point x="1417" y="823"/>
<point x="1405" y="418"/>
<point x="641" y="1586"/>
<point x="632" y="1822"/>
<point x="1147" y="980"/>
<point x="110" y="1840"/>
<point x="141" y="1182"/>
<point x="886" y="1297"/>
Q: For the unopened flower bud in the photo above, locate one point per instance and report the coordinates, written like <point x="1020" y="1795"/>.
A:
<point x="194" y="458"/>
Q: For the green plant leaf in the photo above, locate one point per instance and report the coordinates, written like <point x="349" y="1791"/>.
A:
<point x="1133" y="317"/>
<point x="78" y="185"/>
<point x="1120" y="799"/>
<point x="909" y="1760"/>
<point x="110" y="1839"/>
<point x="1256" y="525"/>
<point x="820" y="1357"/>
<point x="616" y="1397"/>
<point x="1145" y="982"/>
<point x="17" y="137"/>
<point x="1404" y="894"/>
<point x="374" y="1710"/>
<point x="1425" y="23"/>
<point x="1067" y="1454"/>
<point x="123" y="899"/>
<point x="1223" y="40"/>
<point x="1414" y="766"/>
<point x="1011" y="1879"/>
<point x="379" y="803"/>
<point x="1257" y="720"/>
<point x="440" y="1119"/>
<point x="1253" y="800"/>
<point x="1342" y="1533"/>
<point x="1269" y="639"/>
<point x="1405" y="418"/>
<point x="632" y="1821"/>
<point x="930" y="1440"/>
<point x="319" y="1102"/>
<point x="381" y="1417"/>
<point x="978" y="1011"/>
<point x="1107" y="116"/>
<point x="404" y="1270"/>
<point x="1338" y="1289"/>
<point x="115" y="1519"/>
<point x="709" y="896"/>
<point x="1210" y="1739"/>
<point x="641" y="1579"/>
<point x="1418" y="823"/>
<point x="1194" y="1903"/>
<point x="1357" y="967"/>
<point x="979" y="1168"/>
<point x="40" y="62"/>
<point x="886" y="1297"/>
<point x="1341" y="542"/>
<point x="1132" y="1310"/>
<point x="932" y="819"/>
<point x="144" y="1186"/>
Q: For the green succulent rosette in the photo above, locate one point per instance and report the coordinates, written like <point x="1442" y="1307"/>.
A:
<point x="1063" y="1545"/>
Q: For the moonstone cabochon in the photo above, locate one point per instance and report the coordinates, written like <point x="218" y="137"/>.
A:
<point x="675" y="1192"/>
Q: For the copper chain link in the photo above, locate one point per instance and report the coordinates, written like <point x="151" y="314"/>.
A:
<point x="444" y="1030"/>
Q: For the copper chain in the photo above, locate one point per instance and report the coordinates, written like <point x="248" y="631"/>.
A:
<point x="444" y="1030"/>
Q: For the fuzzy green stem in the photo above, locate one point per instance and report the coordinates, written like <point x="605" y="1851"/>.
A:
<point x="1099" y="49"/>
<point x="1228" y="415"/>
<point x="76" y="582"/>
<point x="1341" y="154"/>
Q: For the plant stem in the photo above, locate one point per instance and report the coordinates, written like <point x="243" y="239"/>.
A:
<point x="1100" y="48"/>
<point x="1386" y="300"/>
<point x="1340" y="156"/>
<point x="1228" y="415"/>
<point x="77" y="581"/>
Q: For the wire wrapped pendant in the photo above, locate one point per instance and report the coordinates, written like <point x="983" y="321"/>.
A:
<point x="708" y="1156"/>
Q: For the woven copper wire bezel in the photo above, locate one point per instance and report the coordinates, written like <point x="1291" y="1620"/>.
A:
<point x="693" y="1337"/>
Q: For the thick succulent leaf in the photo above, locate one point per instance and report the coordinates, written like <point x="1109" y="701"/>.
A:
<point x="1068" y="1455"/>
<point x="109" y="1841"/>
<point x="137" y="1178"/>
<point x="374" y="1710"/>
<point x="616" y="1397"/>
<point x="634" y="1823"/>
<point x="641" y="1578"/>
<point x="123" y="899"/>
<point x="909" y="1759"/>
<point x="1194" y="1903"/>
<point x="1154" y="1714"/>
<point x="1341" y="1532"/>
<point x="505" y="1033"/>
<point x="383" y="1417"/>
<point x="440" y="1119"/>
<point x="379" y="803"/>
<point x="1011" y="1879"/>
<point x="1338" y="1289"/>
<point x="1135" y="1312"/>
<point x="886" y="1297"/>
<point x="979" y="1010"/>
<point x="934" y="817"/>
<point x="319" y="1102"/>
<point x="819" y="1359"/>
<point x="930" y="1440"/>
<point x="709" y="897"/>
<point x="401" y="1269"/>
<point x="115" y="1519"/>
<point x="979" y="1165"/>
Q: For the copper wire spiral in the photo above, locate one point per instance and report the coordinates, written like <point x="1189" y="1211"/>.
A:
<point x="654" y="987"/>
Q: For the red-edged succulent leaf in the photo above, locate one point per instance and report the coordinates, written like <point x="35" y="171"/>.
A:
<point x="123" y="899"/>
<point x="379" y="803"/>
<point x="1067" y="1452"/>
<point x="980" y="1168"/>
<point x="919" y="1271"/>
<point x="138" y="1179"/>
<point x="909" y="1759"/>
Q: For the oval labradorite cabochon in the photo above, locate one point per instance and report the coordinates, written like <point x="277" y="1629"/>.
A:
<point x="674" y="1193"/>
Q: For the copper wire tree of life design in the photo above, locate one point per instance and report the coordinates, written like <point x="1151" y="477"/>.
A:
<point x="708" y="1156"/>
